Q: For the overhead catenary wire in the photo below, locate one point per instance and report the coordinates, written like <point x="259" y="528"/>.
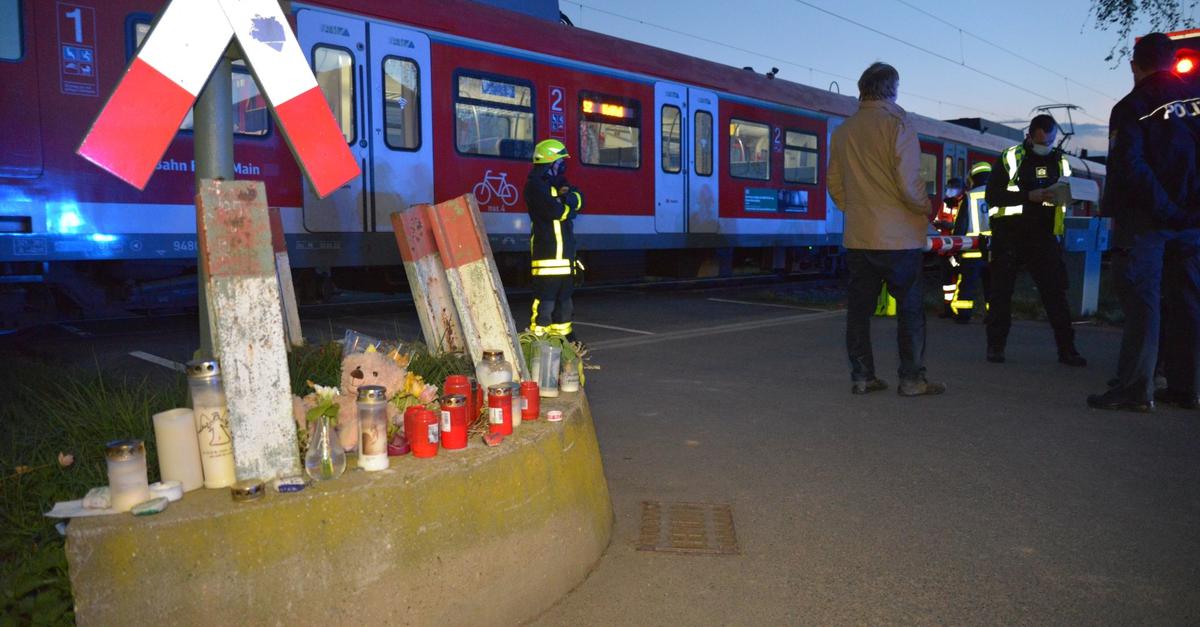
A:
<point x="962" y="31"/>
<point x="936" y="54"/>
<point x="763" y="55"/>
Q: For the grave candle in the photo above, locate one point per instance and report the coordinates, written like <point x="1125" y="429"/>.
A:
<point x="127" y="483"/>
<point x="372" y="427"/>
<point x="530" y="401"/>
<point x="178" y="449"/>
<point x="212" y="423"/>
<point x="454" y="422"/>
<point x="500" y="409"/>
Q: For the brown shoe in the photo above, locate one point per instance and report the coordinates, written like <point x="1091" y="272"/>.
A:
<point x="920" y="388"/>
<point x="866" y="387"/>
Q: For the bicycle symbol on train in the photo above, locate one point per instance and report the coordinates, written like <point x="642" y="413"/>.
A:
<point x="495" y="185"/>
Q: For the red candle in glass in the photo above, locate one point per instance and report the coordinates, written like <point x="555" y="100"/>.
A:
<point x="454" y="422"/>
<point x="530" y="403"/>
<point x="500" y="409"/>
<point x="421" y="429"/>
<point x="458" y="384"/>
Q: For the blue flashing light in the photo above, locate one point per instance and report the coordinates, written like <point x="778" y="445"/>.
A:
<point x="102" y="238"/>
<point x="64" y="218"/>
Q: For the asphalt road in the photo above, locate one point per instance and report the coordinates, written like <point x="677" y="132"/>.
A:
<point x="1006" y="501"/>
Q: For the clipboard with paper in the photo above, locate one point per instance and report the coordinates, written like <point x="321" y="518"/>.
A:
<point x="1069" y="189"/>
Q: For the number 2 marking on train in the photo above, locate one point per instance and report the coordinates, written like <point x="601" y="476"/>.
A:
<point x="778" y="142"/>
<point x="556" y="98"/>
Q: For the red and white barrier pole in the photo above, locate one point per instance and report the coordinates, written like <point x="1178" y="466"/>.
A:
<point x="950" y="244"/>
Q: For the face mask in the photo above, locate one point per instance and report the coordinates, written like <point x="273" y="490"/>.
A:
<point x="1041" y="150"/>
<point x="952" y="193"/>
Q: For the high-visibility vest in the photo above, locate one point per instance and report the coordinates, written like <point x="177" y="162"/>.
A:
<point x="1012" y="158"/>
<point x="977" y="218"/>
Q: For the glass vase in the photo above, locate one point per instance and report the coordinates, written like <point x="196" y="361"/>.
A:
<point x="326" y="459"/>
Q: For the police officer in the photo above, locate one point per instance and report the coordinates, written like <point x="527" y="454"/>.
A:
<point x="552" y="204"/>
<point x="1154" y="199"/>
<point x="1026" y="222"/>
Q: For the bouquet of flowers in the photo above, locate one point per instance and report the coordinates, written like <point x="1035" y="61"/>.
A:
<point x="415" y="392"/>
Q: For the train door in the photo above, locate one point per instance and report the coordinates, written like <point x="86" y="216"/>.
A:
<point x="336" y="47"/>
<point x="703" y="169"/>
<point x="401" y="122"/>
<point x="21" y="124"/>
<point x="931" y="170"/>
<point x="955" y="162"/>
<point x="670" y="177"/>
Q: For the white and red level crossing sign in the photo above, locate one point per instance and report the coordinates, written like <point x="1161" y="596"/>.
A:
<point x="140" y="119"/>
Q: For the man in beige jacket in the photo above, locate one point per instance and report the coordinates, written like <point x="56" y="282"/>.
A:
<point x="875" y="179"/>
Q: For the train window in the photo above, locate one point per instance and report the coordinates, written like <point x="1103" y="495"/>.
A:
<point x="141" y="28"/>
<point x="672" y="139"/>
<point x="800" y="158"/>
<point x="401" y="103"/>
<point x="749" y="150"/>
<point x="10" y="30"/>
<point x="962" y="168"/>
<point x="250" y="115"/>
<point x="610" y="131"/>
<point x="334" y="69"/>
<point x="703" y="144"/>
<point x="494" y="116"/>
<point x="929" y="164"/>
<point x="947" y="169"/>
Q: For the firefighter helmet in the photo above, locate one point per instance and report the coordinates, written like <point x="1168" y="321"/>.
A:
<point x="981" y="166"/>
<point x="549" y="151"/>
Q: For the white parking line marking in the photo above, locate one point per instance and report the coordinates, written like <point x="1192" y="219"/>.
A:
<point x="75" y="330"/>
<point x="608" y="326"/>
<point x="159" y="361"/>
<point x="706" y="331"/>
<point x="750" y="302"/>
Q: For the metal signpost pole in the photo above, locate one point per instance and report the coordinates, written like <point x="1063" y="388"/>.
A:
<point x="213" y="137"/>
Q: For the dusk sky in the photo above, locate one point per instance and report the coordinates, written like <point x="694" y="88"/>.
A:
<point x="815" y="47"/>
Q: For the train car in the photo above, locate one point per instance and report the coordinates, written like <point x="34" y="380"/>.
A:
<point x="435" y="98"/>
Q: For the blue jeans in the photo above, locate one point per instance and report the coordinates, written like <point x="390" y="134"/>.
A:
<point x="1139" y="280"/>
<point x="900" y="270"/>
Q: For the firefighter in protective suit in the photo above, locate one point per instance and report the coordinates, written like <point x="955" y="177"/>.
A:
<point x="971" y="220"/>
<point x="946" y="224"/>
<point x="552" y="204"/>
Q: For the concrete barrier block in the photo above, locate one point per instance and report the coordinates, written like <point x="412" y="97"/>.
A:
<point x="482" y="536"/>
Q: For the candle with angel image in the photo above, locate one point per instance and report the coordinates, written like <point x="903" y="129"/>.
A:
<point x="372" y="427"/>
<point x="212" y="423"/>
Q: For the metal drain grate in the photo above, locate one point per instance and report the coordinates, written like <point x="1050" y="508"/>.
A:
<point x="696" y="528"/>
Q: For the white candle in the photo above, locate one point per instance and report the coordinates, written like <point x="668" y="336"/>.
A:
<point x="216" y="445"/>
<point x="178" y="448"/>
<point x="212" y="423"/>
<point x="127" y="482"/>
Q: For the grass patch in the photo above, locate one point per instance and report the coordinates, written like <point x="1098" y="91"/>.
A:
<point x="50" y="409"/>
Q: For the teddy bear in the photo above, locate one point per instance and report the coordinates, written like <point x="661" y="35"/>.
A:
<point x="358" y="369"/>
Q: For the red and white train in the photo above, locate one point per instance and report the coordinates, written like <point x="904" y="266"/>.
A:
<point x="436" y="98"/>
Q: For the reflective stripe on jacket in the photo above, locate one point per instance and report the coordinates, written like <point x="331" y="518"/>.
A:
<point x="1007" y="195"/>
<point x="551" y="218"/>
